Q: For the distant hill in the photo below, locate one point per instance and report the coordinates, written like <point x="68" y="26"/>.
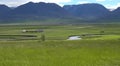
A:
<point x="3" y="12"/>
<point x="35" y="11"/>
<point x="4" y="9"/>
<point x="91" y="12"/>
<point x="113" y="16"/>
<point x="116" y="13"/>
<point x="40" y="10"/>
<point x="87" y="11"/>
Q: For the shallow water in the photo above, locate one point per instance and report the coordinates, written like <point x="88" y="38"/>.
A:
<point x="74" y="38"/>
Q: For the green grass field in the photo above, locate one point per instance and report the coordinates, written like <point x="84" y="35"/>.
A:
<point x="96" y="48"/>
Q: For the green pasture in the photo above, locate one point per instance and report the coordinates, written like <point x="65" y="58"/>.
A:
<point x="63" y="32"/>
<point x="99" y="46"/>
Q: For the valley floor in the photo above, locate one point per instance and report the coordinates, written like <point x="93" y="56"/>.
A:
<point x="99" y="46"/>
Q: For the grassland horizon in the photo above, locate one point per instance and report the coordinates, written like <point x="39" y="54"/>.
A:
<point x="99" y="46"/>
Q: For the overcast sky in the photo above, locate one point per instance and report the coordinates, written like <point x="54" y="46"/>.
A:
<point x="106" y="3"/>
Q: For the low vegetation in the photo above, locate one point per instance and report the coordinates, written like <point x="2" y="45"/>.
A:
<point x="99" y="46"/>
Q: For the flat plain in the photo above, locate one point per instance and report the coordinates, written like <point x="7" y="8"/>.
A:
<point x="99" y="46"/>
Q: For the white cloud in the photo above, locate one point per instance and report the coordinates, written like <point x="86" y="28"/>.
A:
<point x="12" y="4"/>
<point x="82" y="2"/>
<point x="55" y="1"/>
<point x="100" y="0"/>
<point x="19" y="2"/>
<point x="112" y="6"/>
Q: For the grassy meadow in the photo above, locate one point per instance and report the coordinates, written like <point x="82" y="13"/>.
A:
<point x="99" y="46"/>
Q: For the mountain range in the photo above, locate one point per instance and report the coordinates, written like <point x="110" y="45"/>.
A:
<point x="41" y="10"/>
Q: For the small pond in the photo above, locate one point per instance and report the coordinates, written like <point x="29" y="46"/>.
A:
<point x="74" y="38"/>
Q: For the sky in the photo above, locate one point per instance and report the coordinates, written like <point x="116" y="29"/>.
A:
<point x="112" y="4"/>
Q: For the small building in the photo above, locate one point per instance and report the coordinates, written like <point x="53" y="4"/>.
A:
<point x="32" y="31"/>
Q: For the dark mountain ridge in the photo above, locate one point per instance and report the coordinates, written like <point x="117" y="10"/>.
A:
<point x="36" y="11"/>
<point x="41" y="10"/>
<point x="116" y="13"/>
<point x="88" y="11"/>
<point x="4" y="9"/>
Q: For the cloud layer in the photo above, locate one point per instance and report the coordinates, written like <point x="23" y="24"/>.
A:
<point x="106" y="3"/>
<point x="19" y="2"/>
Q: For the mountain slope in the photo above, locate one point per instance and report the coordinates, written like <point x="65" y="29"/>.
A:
<point x="113" y="16"/>
<point x="4" y="9"/>
<point x="90" y="12"/>
<point x="87" y="11"/>
<point x="34" y="10"/>
<point x="116" y="13"/>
